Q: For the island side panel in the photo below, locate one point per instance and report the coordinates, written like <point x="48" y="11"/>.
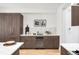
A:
<point x="64" y="51"/>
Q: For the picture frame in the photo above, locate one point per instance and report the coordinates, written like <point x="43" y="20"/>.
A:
<point x="40" y="22"/>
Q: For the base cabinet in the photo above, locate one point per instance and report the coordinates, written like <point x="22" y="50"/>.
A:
<point x="51" y="42"/>
<point x="40" y="42"/>
<point x="29" y="41"/>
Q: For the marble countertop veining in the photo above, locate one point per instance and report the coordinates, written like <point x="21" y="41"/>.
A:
<point x="9" y="50"/>
<point x="71" y="47"/>
<point x="39" y="35"/>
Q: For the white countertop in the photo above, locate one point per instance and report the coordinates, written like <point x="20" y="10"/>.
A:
<point x="8" y="50"/>
<point x="71" y="47"/>
<point x="39" y="35"/>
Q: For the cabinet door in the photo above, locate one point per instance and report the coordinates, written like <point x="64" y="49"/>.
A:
<point x="39" y="42"/>
<point x="47" y="42"/>
<point x="75" y="15"/>
<point x="51" y="42"/>
<point x="29" y="41"/>
<point x="55" y="41"/>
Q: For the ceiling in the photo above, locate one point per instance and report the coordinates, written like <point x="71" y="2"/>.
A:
<point x="29" y="7"/>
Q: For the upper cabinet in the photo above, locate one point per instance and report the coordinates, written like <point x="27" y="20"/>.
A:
<point x="75" y="15"/>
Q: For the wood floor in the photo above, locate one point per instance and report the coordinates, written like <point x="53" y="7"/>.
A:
<point x="39" y="52"/>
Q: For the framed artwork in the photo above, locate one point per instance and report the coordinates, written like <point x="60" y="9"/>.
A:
<point x="40" y="22"/>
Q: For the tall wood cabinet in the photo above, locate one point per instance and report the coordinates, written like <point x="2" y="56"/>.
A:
<point x="11" y="26"/>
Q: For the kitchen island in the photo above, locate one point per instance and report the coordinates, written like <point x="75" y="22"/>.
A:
<point x="68" y="48"/>
<point x="40" y="41"/>
<point x="10" y="50"/>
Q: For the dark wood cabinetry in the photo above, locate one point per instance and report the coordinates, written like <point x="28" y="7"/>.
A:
<point x="11" y="26"/>
<point x="29" y="41"/>
<point x="51" y="42"/>
<point x="47" y="42"/>
<point x="75" y="15"/>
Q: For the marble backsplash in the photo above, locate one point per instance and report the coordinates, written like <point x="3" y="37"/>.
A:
<point x="42" y="30"/>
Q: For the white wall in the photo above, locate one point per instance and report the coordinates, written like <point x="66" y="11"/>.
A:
<point x="60" y="23"/>
<point x="29" y="20"/>
<point x="68" y="33"/>
<point x="71" y="32"/>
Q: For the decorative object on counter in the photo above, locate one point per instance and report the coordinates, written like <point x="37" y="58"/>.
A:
<point x="47" y="32"/>
<point x="27" y="30"/>
<point x="9" y="43"/>
<point x="39" y="33"/>
<point x="34" y="33"/>
<point x="40" y="22"/>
